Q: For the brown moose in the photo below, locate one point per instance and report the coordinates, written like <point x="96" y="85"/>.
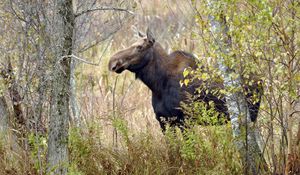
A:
<point x="161" y="73"/>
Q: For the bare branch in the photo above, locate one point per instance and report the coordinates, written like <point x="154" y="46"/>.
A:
<point x="86" y="47"/>
<point x="16" y="14"/>
<point x="104" y="9"/>
<point x="79" y="59"/>
<point x="295" y="112"/>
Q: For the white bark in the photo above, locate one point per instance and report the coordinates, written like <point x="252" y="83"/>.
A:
<point x="236" y="102"/>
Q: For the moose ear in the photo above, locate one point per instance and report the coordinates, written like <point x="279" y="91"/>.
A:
<point x="140" y="34"/>
<point x="150" y="36"/>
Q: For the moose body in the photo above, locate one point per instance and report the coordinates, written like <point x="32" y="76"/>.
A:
<point x="162" y="73"/>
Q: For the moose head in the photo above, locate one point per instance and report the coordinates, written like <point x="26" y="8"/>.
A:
<point x="135" y="56"/>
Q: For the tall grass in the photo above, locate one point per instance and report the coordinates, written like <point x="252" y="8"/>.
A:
<point x="202" y="150"/>
<point x="119" y="134"/>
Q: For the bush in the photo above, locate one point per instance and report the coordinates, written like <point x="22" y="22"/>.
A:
<point x="199" y="150"/>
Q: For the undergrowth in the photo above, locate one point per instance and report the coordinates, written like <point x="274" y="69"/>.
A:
<point x="2" y="156"/>
<point x="199" y="150"/>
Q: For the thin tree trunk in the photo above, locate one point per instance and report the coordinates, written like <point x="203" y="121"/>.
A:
<point x="15" y="96"/>
<point x="73" y="99"/>
<point x="298" y="136"/>
<point x="3" y="115"/>
<point x="292" y="157"/>
<point x="18" y="121"/>
<point x="237" y="106"/>
<point x="57" y="156"/>
<point x="271" y="123"/>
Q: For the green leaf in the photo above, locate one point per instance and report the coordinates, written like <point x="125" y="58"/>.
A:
<point x="186" y="73"/>
<point x="204" y="76"/>
<point x="186" y="81"/>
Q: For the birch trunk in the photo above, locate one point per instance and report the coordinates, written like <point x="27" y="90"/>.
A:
<point x="57" y="156"/>
<point x="236" y="102"/>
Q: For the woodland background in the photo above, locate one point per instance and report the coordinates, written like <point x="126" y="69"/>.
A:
<point x="62" y="112"/>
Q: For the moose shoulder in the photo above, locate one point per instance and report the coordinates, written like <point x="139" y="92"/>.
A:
<point x="162" y="72"/>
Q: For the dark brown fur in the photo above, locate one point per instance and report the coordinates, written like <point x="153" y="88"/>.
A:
<point x="162" y="72"/>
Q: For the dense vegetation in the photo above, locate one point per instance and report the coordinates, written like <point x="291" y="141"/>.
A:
<point x="49" y="74"/>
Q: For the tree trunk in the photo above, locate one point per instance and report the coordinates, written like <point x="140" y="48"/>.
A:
<point x="292" y="163"/>
<point x="298" y="136"/>
<point x="18" y="121"/>
<point x="15" y="96"/>
<point x="73" y="99"/>
<point x="57" y="156"/>
<point x="3" y="115"/>
<point x="253" y="159"/>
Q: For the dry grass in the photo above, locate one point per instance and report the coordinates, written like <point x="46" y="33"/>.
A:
<point x="119" y="133"/>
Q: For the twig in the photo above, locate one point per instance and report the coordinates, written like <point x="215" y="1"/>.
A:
<point x="16" y="14"/>
<point x="80" y="59"/>
<point x="103" y="9"/>
<point x="295" y="112"/>
<point x="110" y="37"/>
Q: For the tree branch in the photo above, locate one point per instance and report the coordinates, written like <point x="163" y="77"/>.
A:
<point x="103" y="9"/>
<point x="295" y="112"/>
<point x="79" y="59"/>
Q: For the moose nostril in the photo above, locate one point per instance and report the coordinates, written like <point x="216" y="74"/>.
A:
<point x="114" y="68"/>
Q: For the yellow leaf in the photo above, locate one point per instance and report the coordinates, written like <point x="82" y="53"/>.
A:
<point x="185" y="73"/>
<point x="186" y="81"/>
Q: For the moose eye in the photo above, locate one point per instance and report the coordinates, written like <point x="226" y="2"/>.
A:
<point x="139" y="47"/>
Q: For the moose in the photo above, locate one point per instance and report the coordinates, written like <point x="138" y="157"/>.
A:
<point x="161" y="73"/>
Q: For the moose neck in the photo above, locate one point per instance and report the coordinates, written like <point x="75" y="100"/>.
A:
<point x="154" y="74"/>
